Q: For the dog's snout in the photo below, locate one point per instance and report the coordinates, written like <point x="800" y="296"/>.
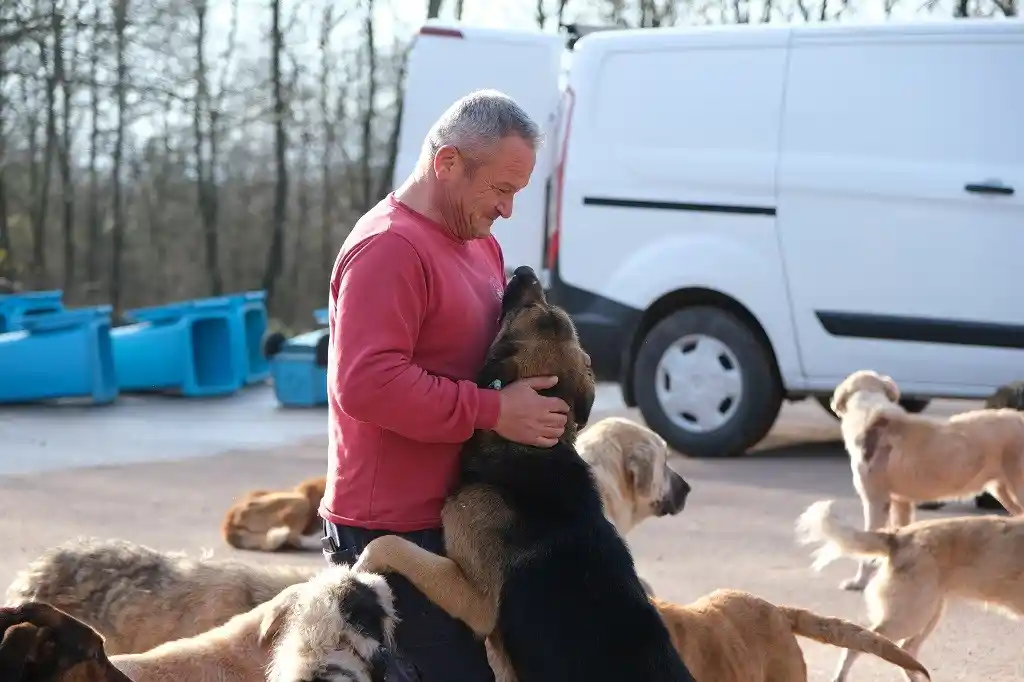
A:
<point x="524" y="271"/>
<point x="678" y="491"/>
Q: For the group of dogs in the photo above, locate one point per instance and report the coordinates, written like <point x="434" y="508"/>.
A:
<point x="535" y="558"/>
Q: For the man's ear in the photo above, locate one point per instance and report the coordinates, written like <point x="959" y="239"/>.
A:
<point x="446" y="161"/>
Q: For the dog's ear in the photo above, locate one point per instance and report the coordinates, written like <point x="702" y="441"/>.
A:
<point x="18" y="647"/>
<point x="892" y="391"/>
<point x="838" y="400"/>
<point x="876" y="444"/>
<point x="500" y="366"/>
<point x="639" y="460"/>
<point x="275" y="612"/>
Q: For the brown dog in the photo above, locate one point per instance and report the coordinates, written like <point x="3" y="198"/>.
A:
<point x="899" y="458"/>
<point x="980" y="559"/>
<point x="534" y="565"/>
<point x="733" y="636"/>
<point x="43" y="644"/>
<point x="270" y="521"/>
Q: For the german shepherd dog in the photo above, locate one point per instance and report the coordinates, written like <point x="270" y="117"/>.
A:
<point x="533" y="564"/>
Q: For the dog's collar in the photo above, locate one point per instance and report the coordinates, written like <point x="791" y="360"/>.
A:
<point x="496" y="385"/>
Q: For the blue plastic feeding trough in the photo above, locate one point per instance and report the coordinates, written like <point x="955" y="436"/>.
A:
<point x="299" y="368"/>
<point x="249" y="325"/>
<point x="16" y="308"/>
<point x="186" y="347"/>
<point x="60" y="354"/>
<point x="320" y="315"/>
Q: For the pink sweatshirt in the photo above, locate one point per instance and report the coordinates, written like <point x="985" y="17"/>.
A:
<point x="412" y="313"/>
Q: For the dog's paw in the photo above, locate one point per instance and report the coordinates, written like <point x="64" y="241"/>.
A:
<point x="373" y="558"/>
<point x="277" y="538"/>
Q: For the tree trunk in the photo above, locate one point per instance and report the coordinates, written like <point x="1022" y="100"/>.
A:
<point x="433" y="8"/>
<point x="6" y="253"/>
<point x="275" y="255"/>
<point x="92" y="262"/>
<point x="120" y="87"/>
<point x="67" y="185"/>
<point x="368" y="198"/>
<point x="205" y="191"/>
<point x="42" y="197"/>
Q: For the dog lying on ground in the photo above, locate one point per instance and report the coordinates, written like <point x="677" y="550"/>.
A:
<point x="979" y="558"/>
<point x="139" y="597"/>
<point x="733" y="636"/>
<point x="270" y="521"/>
<point x="43" y="644"/>
<point x="533" y="564"/>
<point x="236" y="651"/>
<point x="337" y="629"/>
<point x="899" y="459"/>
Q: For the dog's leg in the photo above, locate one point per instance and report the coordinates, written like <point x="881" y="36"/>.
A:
<point x="439" y="579"/>
<point x="1006" y="497"/>
<point x="913" y="644"/>
<point x="901" y="513"/>
<point x="875" y="513"/>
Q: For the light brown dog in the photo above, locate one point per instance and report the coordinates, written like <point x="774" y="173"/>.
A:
<point x="270" y="521"/>
<point x="899" y="459"/>
<point x="630" y="464"/>
<point x="924" y="564"/>
<point x="140" y="597"/>
<point x="733" y="636"/>
<point x="237" y="651"/>
<point x="43" y="644"/>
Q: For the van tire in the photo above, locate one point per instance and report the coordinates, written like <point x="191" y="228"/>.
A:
<point x="760" y="399"/>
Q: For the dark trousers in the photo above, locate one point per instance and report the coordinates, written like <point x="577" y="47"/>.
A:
<point x="431" y="645"/>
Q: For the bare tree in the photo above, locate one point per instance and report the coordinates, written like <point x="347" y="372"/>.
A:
<point x="369" y="112"/>
<point x="433" y="8"/>
<point x="120" y="92"/>
<point x="6" y="252"/>
<point x="92" y="263"/>
<point x="206" y="193"/>
<point x="275" y="255"/>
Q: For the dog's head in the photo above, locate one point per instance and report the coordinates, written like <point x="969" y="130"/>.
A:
<point x="43" y="644"/>
<point x="866" y="381"/>
<point x="313" y="489"/>
<point x="538" y="338"/>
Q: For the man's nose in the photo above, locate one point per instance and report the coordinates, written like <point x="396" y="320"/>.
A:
<point x="505" y="209"/>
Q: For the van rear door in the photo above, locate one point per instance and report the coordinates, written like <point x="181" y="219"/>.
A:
<point x="448" y="61"/>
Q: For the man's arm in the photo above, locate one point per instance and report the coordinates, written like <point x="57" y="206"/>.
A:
<point x="380" y="307"/>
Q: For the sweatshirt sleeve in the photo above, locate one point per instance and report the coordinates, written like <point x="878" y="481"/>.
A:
<point x="381" y="301"/>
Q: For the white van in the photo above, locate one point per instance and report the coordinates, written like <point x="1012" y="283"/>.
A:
<point x="745" y="214"/>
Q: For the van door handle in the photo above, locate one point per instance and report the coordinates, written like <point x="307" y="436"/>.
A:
<point x="990" y="187"/>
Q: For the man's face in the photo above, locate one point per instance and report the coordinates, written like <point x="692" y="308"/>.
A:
<point x="476" y="191"/>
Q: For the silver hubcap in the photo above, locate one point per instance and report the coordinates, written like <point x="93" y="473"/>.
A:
<point x="699" y="383"/>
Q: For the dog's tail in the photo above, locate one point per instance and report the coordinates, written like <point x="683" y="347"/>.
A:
<point x="818" y="525"/>
<point x="843" y="633"/>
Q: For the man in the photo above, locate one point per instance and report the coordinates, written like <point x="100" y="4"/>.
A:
<point x="415" y="301"/>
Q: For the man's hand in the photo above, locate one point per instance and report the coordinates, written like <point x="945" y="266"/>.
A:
<point x="529" y="418"/>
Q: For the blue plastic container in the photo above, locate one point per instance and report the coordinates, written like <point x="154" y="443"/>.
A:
<point x="299" y="370"/>
<point x="320" y="315"/>
<point x="249" y="326"/>
<point x="185" y="348"/>
<point x="62" y="354"/>
<point x="15" y="308"/>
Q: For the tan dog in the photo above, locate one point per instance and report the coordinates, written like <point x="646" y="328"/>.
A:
<point x="899" y="459"/>
<point x="140" y="597"/>
<point x="237" y="651"/>
<point x="270" y="521"/>
<point x="977" y="558"/>
<point x="43" y="644"/>
<point x="733" y="636"/>
<point x="630" y="464"/>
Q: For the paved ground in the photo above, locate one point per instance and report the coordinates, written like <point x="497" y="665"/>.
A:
<point x="173" y="466"/>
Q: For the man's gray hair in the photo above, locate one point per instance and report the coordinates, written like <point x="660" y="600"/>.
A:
<point x="478" y="121"/>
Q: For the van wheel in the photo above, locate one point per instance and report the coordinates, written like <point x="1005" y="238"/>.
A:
<point x="705" y="383"/>
<point x="911" y="405"/>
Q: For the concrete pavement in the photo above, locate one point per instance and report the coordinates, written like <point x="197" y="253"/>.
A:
<point x="162" y="472"/>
